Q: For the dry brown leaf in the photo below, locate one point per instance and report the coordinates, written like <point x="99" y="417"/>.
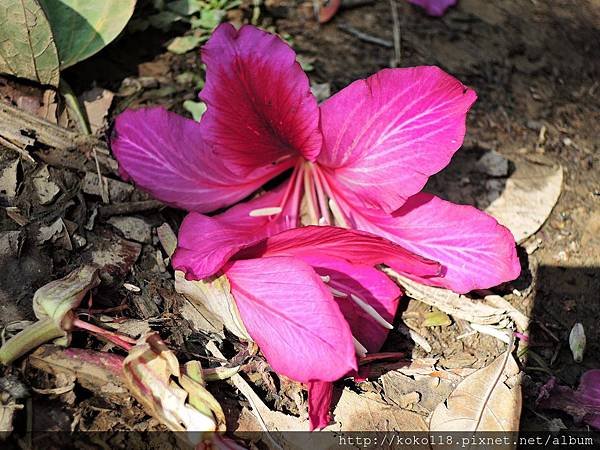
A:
<point x="96" y="371"/>
<point x="215" y="296"/>
<point x="8" y="180"/>
<point x="367" y="412"/>
<point x="483" y="401"/>
<point x="97" y="102"/>
<point x="46" y="189"/>
<point x="490" y="310"/>
<point x="528" y="197"/>
<point x="153" y="376"/>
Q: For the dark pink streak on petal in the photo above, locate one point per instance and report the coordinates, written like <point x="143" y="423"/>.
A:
<point x="260" y="107"/>
<point x="370" y="285"/>
<point x="434" y="7"/>
<point x="320" y="394"/>
<point x="166" y="155"/>
<point x="384" y="136"/>
<point x="291" y="315"/>
<point x="476" y="251"/>
<point x="353" y="246"/>
<point x="205" y="243"/>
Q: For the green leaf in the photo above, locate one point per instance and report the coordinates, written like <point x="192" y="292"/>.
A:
<point x="209" y="19"/>
<point x="184" y="44"/>
<point x="163" y="20"/>
<point x="27" y="48"/>
<point x="195" y="108"/>
<point x="83" y="27"/>
<point x="184" y="7"/>
<point x="436" y="319"/>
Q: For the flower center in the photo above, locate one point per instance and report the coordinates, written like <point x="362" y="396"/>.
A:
<point x="318" y="203"/>
<point x="308" y="200"/>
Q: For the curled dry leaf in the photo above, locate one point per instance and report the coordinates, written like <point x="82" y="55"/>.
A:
<point x="176" y="399"/>
<point x="491" y="310"/>
<point x="528" y="197"/>
<point x="483" y="401"/>
<point x="214" y="295"/>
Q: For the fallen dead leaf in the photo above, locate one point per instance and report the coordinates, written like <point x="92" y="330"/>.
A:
<point x="133" y="228"/>
<point x="45" y="188"/>
<point x="117" y="190"/>
<point x="486" y="400"/>
<point x="97" y="102"/>
<point x="8" y="181"/>
<point x="491" y="310"/>
<point x="528" y="197"/>
<point x="400" y="389"/>
<point x="113" y="256"/>
<point x="368" y="412"/>
<point x="215" y="296"/>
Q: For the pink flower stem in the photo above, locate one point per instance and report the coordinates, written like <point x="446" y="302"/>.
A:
<point x="122" y="341"/>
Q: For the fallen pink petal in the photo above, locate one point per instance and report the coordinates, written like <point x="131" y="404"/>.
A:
<point x="583" y="403"/>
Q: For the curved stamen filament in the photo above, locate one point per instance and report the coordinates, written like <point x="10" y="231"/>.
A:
<point x="269" y="211"/>
<point x="309" y="195"/>
<point x="359" y="302"/>
<point x="359" y="348"/>
<point x="336" y="211"/>
<point x="371" y="312"/>
<point x="323" y="204"/>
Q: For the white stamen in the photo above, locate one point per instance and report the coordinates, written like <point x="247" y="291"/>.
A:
<point x="323" y="221"/>
<point x="359" y="348"/>
<point x="337" y="214"/>
<point x="325" y="278"/>
<point x="372" y="312"/>
<point x="265" y="211"/>
<point x="337" y="293"/>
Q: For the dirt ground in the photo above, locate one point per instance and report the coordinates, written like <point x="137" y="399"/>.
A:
<point x="535" y="66"/>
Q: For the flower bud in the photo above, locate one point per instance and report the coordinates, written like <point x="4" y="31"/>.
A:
<point x="577" y="342"/>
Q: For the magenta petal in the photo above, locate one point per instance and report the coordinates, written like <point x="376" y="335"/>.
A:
<point x="166" y="155"/>
<point x="384" y="136"/>
<point x="583" y="404"/>
<point x="260" y="107"/>
<point x="353" y="246"/>
<point x="434" y="7"/>
<point x="320" y="394"/>
<point x="368" y="284"/>
<point x="291" y="315"/>
<point x="206" y="243"/>
<point x="476" y="251"/>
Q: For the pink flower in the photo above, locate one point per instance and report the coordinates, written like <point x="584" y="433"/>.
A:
<point x="357" y="161"/>
<point x="434" y="7"/>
